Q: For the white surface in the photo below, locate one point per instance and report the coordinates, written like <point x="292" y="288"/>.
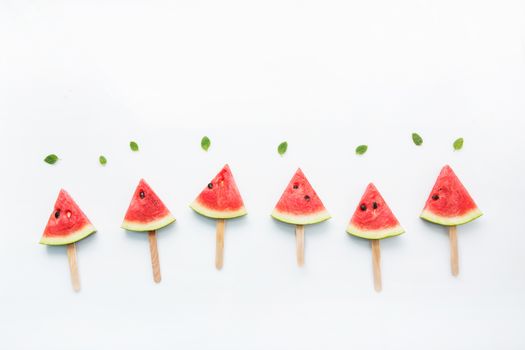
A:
<point x="84" y="78"/>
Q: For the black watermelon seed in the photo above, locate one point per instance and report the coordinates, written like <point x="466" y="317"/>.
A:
<point x="307" y="198"/>
<point x="374" y="205"/>
<point x="210" y="185"/>
<point x="435" y="197"/>
<point x="363" y="207"/>
<point x="295" y="186"/>
<point x="142" y="194"/>
<point x="57" y="214"/>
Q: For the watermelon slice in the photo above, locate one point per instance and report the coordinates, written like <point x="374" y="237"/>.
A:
<point x="449" y="203"/>
<point x="67" y="223"/>
<point x="146" y="211"/>
<point x="372" y="218"/>
<point x="220" y="199"/>
<point x="299" y="204"/>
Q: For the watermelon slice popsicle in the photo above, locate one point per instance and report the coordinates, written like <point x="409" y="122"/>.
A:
<point x="220" y="200"/>
<point x="67" y="225"/>
<point x="300" y="205"/>
<point x="147" y="213"/>
<point x="373" y="220"/>
<point x="450" y="204"/>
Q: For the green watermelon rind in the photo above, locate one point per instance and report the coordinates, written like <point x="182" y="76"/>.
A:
<point x="217" y="214"/>
<point x="451" y="221"/>
<point x="294" y="219"/>
<point x="375" y="234"/>
<point x="70" y="238"/>
<point x="149" y="226"/>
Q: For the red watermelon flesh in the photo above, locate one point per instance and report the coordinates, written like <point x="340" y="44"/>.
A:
<point x="300" y="204"/>
<point x="146" y="211"/>
<point x="67" y="223"/>
<point x="220" y="199"/>
<point x="372" y="218"/>
<point x="449" y="203"/>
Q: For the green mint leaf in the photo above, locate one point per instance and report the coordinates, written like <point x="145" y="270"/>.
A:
<point x="361" y="149"/>
<point x="418" y="140"/>
<point x="205" y="143"/>
<point x="283" y="146"/>
<point x="133" y="145"/>
<point x="51" y="159"/>
<point x="458" y="144"/>
<point x="102" y="160"/>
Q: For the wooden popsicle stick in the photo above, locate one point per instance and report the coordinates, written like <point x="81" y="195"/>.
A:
<point x="454" y="256"/>
<point x="219" y="244"/>
<point x="154" y="252"/>
<point x="299" y="244"/>
<point x="73" y="266"/>
<point x="376" y="263"/>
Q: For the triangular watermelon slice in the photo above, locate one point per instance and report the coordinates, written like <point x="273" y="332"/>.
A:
<point x="449" y="203"/>
<point x="372" y="218"/>
<point x="299" y="203"/>
<point x="220" y="199"/>
<point x="146" y="211"/>
<point x="67" y="223"/>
